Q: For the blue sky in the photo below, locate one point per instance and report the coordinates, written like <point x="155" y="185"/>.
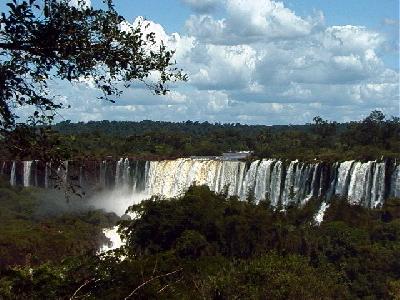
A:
<point x="261" y="62"/>
<point x="172" y="14"/>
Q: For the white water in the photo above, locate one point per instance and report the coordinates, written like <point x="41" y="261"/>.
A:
<point x="293" y="182"/>
<point x="114" y="237"/>
<point x="27" y="173"/>
<point x="366" y="183"/>
<point x="117" y="201"/>
<point x="319" y="217"/>
<point x="13" y="177"/>
<point x="395" y="186"/>
<point x="343" y="177"/>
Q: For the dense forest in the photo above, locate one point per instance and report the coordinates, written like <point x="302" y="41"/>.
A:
<point x="200" y="244"/>
<point x="38" y="225"/>
<point x="368" y="139"/>
<point x="372" y="138"/>
<point x="204" y="246"/>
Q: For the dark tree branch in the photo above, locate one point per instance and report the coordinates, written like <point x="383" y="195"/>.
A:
<point x="150" y="280"/>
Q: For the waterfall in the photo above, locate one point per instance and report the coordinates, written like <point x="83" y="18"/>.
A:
<point x="118" y="172"/>
<point x="378" y="185"/>
<point x="343" y="177"/>
<point x="249" y="182"/>
<point x="319" y="216"/>
<point x="313" y="184"/>
<point x="289" y="192"/>
<point x="27" y="165"/>
<point x="276" y="183"/>
<point x="359" y="187"/>
<point x="263" y="183"/>
<point x="395" y="182"/>
<point x="361" y="183"/>
<point x="364" y="183"/>
<point x="126" y="172"/>
<point x="13" y="176"/>
<point x="172" y="177"/>
<point x="139" y="176"/>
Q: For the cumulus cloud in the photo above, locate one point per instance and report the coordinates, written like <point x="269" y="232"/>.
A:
<point x="258" y="63"/>
<point x="249" y="22"/>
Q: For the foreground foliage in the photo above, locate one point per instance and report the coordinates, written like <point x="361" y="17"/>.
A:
<point x="45" y="41"/>
<point x="54" y="39"/>
<point x="207" y="246"/>
<point x="38" y="227"/>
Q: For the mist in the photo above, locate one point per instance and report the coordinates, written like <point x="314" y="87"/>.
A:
<point x="54" y="202"/>
<point x="116" y="200"/>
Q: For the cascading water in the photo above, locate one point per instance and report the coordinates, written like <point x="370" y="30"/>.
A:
<point x="395" y="182"/>
<point x="262" y="185"/>
<point x="364" y="183"/>
<point x="13" y="176"/>
<point x="359" y="182"/>
<point x="276" y="183"/>
<point x="343" y="177"/>
<point x="118" y="172"/>
<point x="27" y="173"/>
<point x="378" y="185"/>
<point x="125" y="182"/>
<point x="319" y="216"/>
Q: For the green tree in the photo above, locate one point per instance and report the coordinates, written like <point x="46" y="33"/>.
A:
<point x="51" y="39"/>
<point x="323" y="129"/>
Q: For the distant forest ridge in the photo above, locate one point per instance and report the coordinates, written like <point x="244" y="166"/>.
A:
<point x="372" y="138"/>
<point x="136" y="127"/>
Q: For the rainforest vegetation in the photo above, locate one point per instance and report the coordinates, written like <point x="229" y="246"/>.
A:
<point x="38" y="226"/>
<point x="369" y="139"/>
<point x="201" y="246"/>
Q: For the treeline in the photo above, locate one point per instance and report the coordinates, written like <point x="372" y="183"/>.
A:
<point x="368" y="139"/>
<point x="207" y="246"/>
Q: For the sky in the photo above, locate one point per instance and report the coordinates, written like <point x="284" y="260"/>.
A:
<point x="261" y="62"/>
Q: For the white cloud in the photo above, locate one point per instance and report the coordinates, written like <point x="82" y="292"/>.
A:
<point x="264" y="18"/>
<point x="259" y="63"/>
<point x="226" y="67"/>
<point x="250" y="21"/>
<point x="349" y="38"/>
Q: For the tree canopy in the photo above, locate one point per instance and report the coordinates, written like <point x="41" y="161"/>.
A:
<point x="204" y="245"/>
<point x="43" y="40"/>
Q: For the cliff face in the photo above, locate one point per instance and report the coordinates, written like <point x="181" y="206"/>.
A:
<point x="365" y="183"/>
